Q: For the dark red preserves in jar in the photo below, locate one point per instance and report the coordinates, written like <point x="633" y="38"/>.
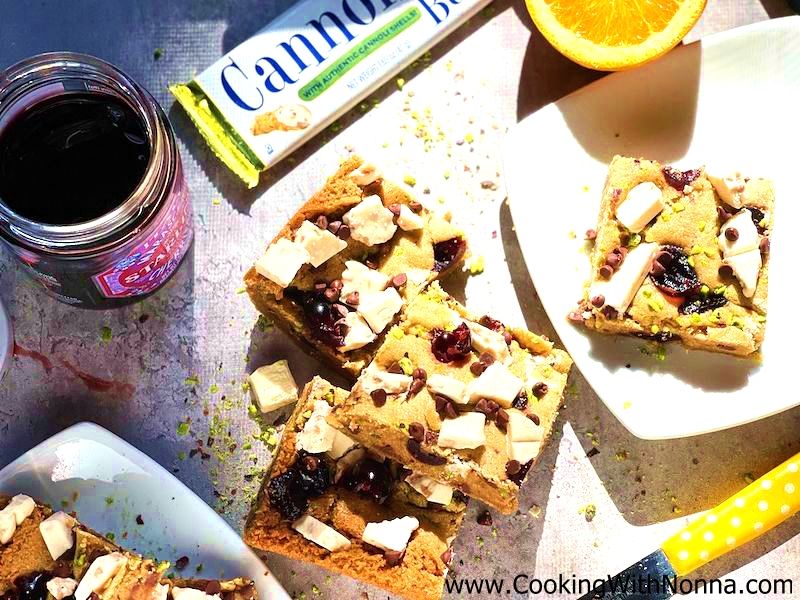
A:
<point x="93" y="201"/>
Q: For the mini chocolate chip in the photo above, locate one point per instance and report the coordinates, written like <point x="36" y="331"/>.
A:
<point x="512" y="468"/>
<point x="182" y="563"/>
<point x="337" y="284"/>
<point x="447" y="556"/>
<point x="731" y="234"/>
<point x="322" y="222"/>
<point x="450" y="410"/>
<point x="609" y="312"/>
<point x="624" y="238"/>
<point x="606" y="272"/>
<point x="521" y="401"/>
<point x="420" y="374"/>
<point x="343" y="233"/>
<point x="725" y="271"/>
<point x="439" y="402"/>
<point x="764" y="245"/>
<point x="415" y="449"/>
<point x="477" y="368"/>
<point x="416" y="431"/>
<point x="415" y="387"/>
<point x="723" y="214"/>
<point x="415" y="206"/>
<point x="591" y="234"/>
<point x="310" y="463"/>
<point x="213" y="587"/>
<point x="395" y="368"/>
<point x="501" y="418"/>
<point x="534" y="418"/>
<point x="508" y="338"/>
<point x="621" y="251"/>
<point x="485" y="518"/>
<point x="399" y="280"/>
<point x="331" y="294"/>
<point x="393" y="558"/>
<point x="334" y="226"/>
<point x="539" y="389"/>
<point x="598" y="301"/>
<point x="352" y="298"/>
<point x="378" y="397"/>
<point x="486" y="358"/>
<point x="394" y="208"/>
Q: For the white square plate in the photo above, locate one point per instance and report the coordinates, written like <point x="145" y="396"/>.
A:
<point x="732" y="99"/>
<point x="112" y="483"/>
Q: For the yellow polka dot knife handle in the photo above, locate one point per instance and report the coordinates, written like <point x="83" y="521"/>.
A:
<point x="759" y="507"/>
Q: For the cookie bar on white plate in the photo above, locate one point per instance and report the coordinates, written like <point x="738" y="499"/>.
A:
<point x="680" y="255"/>
<point x="339" y="273"/>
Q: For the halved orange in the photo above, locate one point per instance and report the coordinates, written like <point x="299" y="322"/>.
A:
<point x="611" y="35"/>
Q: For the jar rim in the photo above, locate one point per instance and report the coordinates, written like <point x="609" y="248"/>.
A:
<point x="24" y="77"/>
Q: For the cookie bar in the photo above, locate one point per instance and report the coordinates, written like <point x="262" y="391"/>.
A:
<point x="330" y="502"/>
<point x="681" y="256"/>
<point x="463" y="400"/>
<point x="51" y="556"/>
<point x="337" y="275"/>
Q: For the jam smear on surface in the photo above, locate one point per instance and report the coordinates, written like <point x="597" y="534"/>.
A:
<point x="447" y="253"/>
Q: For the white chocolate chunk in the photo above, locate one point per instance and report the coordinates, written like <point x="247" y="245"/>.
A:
<point x="61" y="587"/>
<point x="465" y="431"/>
<point x="408" y="220"/>
<point x="390" y="535"/>
<point x="729" y="188"/>
<point x="523" y="452"/>
<point x="358" y="334"/>
<point x="8" y="526"/>
<point x="318" y="532"/>
<point x="435" y="492"/>
<point x="320" y="244"/>
<point x="21" y="506"/>
<point x="282" y="261"/>
<point x="101" y="571"/>
<point x="342" y="444"/>
<point x="365" y="174"/>
<point x="358" y="277"/>
<point x="521" y="429"/>
<point x="317" y="436"/>
<point x="392" y="383"/>
<point x="746" y="267"/>
<point x="486" y="340"/>
<point x="370" y="222"/>
<point x="495" y="383"/>
<point x="748" y="234"/>
<point x="160" y="592"/>
<point x="642" y="204"/>
<point x="192" y="594"/>
<point x="272" y="386"/>
<point x="379" y="308"/>
<point x="449" y="387"/>
<point x="623" y="285"/>
<point x="57" y="534"/>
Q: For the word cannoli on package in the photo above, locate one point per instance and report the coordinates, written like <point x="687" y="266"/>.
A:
<point x="270" y="94"/>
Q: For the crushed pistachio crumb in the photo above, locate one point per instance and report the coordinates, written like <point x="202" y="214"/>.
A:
<point x="183" y="428"/>
<point x="106" y="334"/>
<point x="406" y="365"/>
<point x="409" y="179"/>
<point x="476" y="265"/>
<point x="589" y="512"/>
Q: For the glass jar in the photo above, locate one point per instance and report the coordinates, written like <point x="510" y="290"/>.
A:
<point x="128" y="252"/>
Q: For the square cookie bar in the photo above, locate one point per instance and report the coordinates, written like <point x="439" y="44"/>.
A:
<point x="460" y="399"/>
<point x="51" y="556"/>
<point x="330" y="502"/>
<point x="681" y="256"/>
<point x="340" y="271"/>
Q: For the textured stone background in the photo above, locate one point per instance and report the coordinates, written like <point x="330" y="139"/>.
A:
<point x="475" y="85"/>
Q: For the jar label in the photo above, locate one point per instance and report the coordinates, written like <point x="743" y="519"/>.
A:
<point x="151" y="262"/>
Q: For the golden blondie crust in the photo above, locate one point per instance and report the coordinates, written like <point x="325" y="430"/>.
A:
<point x="408" y="398"/>
<point x="408" y="260"/>
<point x="26" y="562"/>
<point x="417" y="573"/>
<point x="696" y="297"/>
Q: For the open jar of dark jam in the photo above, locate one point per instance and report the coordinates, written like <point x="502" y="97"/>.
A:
<point x="93" y="200"/>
